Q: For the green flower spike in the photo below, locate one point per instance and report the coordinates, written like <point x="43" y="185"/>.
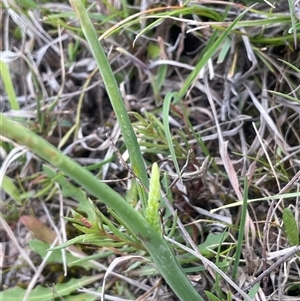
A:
<point x="152" y="210"/>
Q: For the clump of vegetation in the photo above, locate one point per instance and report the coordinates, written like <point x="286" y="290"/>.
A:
<point x="149" y="150"/>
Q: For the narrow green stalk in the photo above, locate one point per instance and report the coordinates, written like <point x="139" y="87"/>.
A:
<point x="157" y="247"/>
<point x="208" y="54"/>
<point x="293" y="21"/>
<point x="166" y="112"/>
<point x="115" y="96"/>
<point x="241" y="231"/>
<point x="9" y="87"/>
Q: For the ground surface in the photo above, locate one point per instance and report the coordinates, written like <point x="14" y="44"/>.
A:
<point x="239" y="118"/>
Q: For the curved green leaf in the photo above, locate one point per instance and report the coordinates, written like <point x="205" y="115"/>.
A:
<point x="290" y="226"/>
<point x="47" y="293"/>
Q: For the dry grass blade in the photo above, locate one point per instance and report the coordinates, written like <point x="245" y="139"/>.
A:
<point x="113" y="265"/>
<point x="213" y="267"/>
<point x="37" y="274"/>
<point x="15" y="242"/>
<point x="239" y="115"/>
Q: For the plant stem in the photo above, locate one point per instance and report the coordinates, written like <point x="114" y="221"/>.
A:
<point x="115" y="97"/>
<point x="157" y="247"/>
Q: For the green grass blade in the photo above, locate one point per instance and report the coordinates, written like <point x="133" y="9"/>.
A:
<point x="211" y="296"/>
<point x="290" y="65"/>
<point x="285" y="96"/>
<point x="241" y="231"/>
<point x="208" y="54"/>
<point x="290" y="227"/>
<point x="11" y="189"/>
<point x="292" y="4"/>
<point x="47" y="293"/>
<point x="166" y="109"/>
<point x="157" y="247"/>
<point x="9" y="87"/>
<point x="114" y="96"/>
